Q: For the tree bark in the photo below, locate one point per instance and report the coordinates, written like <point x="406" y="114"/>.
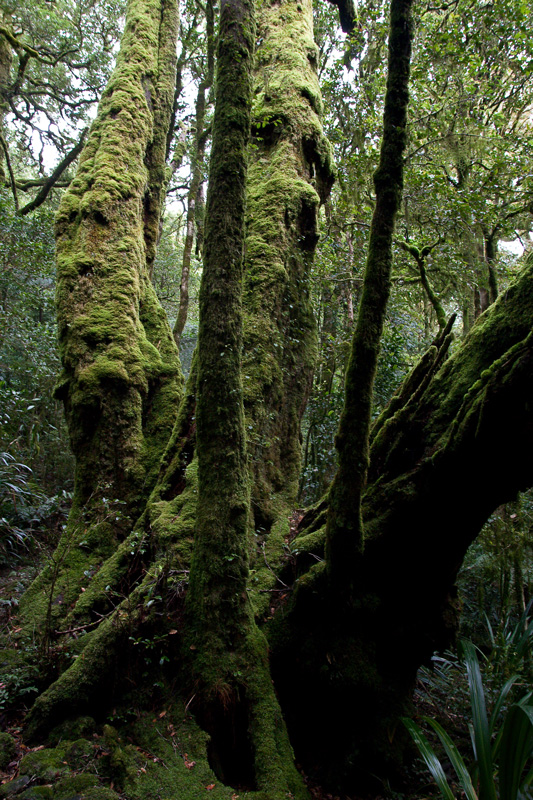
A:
<point x="345" y="532"/>
<point x="234" y="696"/>
<point x="452" y="449"/>
<point x="121" y="380"/>
<point x="290" y="173"/>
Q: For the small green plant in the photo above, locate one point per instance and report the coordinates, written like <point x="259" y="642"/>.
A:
<point x="502" y="742"/>
<point x="18" y="679"/>
<point x="510" y="644"/>
<point x="14" y="494"/>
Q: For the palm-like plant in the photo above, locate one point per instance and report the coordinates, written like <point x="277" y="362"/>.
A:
<point x="502" y="743"/>
<point x="14" y="494"/>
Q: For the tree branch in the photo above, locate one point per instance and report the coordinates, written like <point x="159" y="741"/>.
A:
<point x="10" y="170"/>
<point x="31" y="51"/>
<point x="347" y="14"/>
<point x="344" y="530"/>
<point x="49" y="184"/>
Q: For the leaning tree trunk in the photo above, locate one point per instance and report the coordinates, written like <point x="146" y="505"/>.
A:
<point x="451" y="448"/>
<point x="121" y="380"/>
<point x="406" y="503"/>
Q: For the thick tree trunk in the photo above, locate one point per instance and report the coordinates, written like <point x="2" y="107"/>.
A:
<point x="121" y="380"/>
<point x="290" y="173"/>
<point x="234" y="696"/>
<point x="159" y="549"/>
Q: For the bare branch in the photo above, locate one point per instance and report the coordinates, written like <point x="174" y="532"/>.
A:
<point x="10" y="170"/>
<point x="45" y="190"/>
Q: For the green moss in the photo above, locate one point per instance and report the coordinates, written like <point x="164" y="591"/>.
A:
<point x="269" y="553"/>
<point x="47" y="765"/>
<point x="8" y="748"/>
<point x="66" y="788"/>
<point x="38" y="793"/>
<point x="122" y="757"/>
<point x="290" y="173"/>
<point x="312" y="543"/>
<point x="121" y="380"/>
<point x="14" y="787"/>
<point x="99" y="793"/>
<point x="175" y="742"/>
<point x="52" y="762"/>
<point x="81" y="551"/>
<point x="80" y="687"/>
<point x="73" y="730"/>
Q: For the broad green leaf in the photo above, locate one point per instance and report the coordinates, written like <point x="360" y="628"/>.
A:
<point x="455" y="758"/>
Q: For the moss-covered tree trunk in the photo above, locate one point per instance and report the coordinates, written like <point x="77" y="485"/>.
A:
<point x="453" y="446"/>
<point x="290" y="173"/>
<point x="235" y="699"/>
<point x="121" y="379"/>
<point x="345" y="532"/>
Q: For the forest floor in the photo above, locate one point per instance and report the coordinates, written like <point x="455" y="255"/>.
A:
<point x="13" y="709"/>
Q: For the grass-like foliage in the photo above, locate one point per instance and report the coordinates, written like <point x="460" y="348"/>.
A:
<point x="502" y="742"/>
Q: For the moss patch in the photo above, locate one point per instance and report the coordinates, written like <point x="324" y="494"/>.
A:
<point x="8" y="748"/>
<point x="290" y="172"/>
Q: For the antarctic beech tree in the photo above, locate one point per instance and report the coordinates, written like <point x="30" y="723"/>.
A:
<point x="121" y="379"/>
<point x="290" y="174"/>
<point x="131" y="529"/>
<point x="176" y="579"/>
<point x="235" y="699"/>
